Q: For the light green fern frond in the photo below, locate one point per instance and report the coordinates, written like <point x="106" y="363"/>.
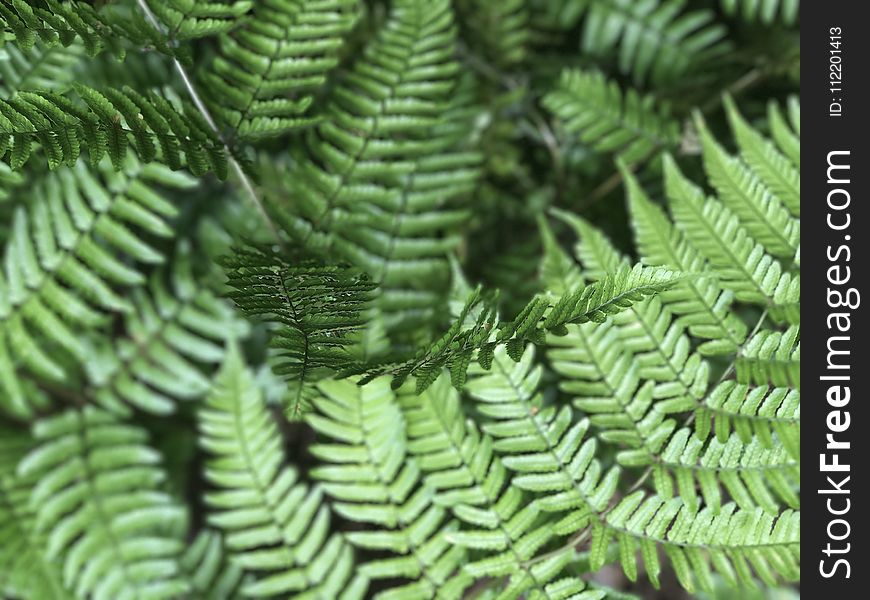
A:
<point x="372" y="480"/>
<point x="740" y="262"/>
<point x="603" y="116"/>
<point x="98" y="500"/>
<point x="772" y="357"/>
<point x="749" y="410"/>
<point x="543" y="444"/>
<point x="702" y="304"/>
<point x="261" y="84"/>
<point x="276" y="527"/>
<point x="63" y="263"/>
<point x="177" y="325"/>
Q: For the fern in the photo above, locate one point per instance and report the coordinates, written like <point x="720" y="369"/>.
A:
<point x="609" y="120"/>
<point x="766" y="11"/>
<point x="614" y="293"/>
<point x="261" y="83"/>
<point x="315" y="306"/>
<point x="106" y="124"/>
<point x="60" y="270"/>
<point x="274" y="525"/>
<point x="172" y="329"/>
<point x="381" y="175"/>
<point x="98" y="485"/>
<point x="656" y="40"/>
<point x="188" y="19"/>
<point x="335" y="299"/>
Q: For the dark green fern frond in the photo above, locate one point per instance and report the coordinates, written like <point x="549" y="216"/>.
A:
<point x="766" y="12"/>
<point x="372" y="481"/>
<point x="314" y="305"/>
<point x="176" y="325"/>
<point x="261" y="84"/>
<point x="276" y="527"/>
<point x="454" y="349"/>
<point x="56" y="22"/>
<point x="108" y="122"/>
<point x="64" y="266"/>
<point x="99" y="486"/>
<point x="604" y="117"/>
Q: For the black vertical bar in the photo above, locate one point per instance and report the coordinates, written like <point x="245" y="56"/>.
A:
<point x="835" y="174"/>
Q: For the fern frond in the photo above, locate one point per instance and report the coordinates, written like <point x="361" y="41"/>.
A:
<point x="25" y="572"/>
<point x="40" y="67"/>
<point x="661" y="349"/>
<point x="772" y="357"/>
<point x="315" y="306"/>
<point x="785" y="129"/>
<point x="174" y="327"/>
<point x="738" y="260"/>
<point x="610" y="120"/>
<point x="54" y="22"/>
<point x="372" y="480"/>
<point x="760" y="212"/>
<point x="612" y="294"/>
<point x="108" y="122"/>
<point x="276" y="527"/>
<point x="780" y="176"/>
<point x="211" y="575"/>
<point x="767" y="12"/>
<point x="732" y="542"/>
<point x="383" y="173"/>
<point x="659" y="41"/>
<point x="500" y="27"/>
<point x="261" y="84"/>
<point x="544" y="446"/>
<point x="460" y="465"/>
<point x="98" y="494"/>
<point x="192" y="19"/>
<point x="760" y="411"/>
<point x="701" y="303"/>
<point x="63" y="265"/>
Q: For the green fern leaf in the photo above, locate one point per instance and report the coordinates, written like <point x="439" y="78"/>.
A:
<point x="315" y="307"/>
<point x="98" y="500"/>
<point x="275" y="525"/>
<point x="595" y="109"/>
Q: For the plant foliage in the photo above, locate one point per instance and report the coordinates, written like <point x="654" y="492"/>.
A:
<point x="399" y="299"/>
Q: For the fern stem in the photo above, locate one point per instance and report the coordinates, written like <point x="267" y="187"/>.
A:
<point x="240" y="174"/>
